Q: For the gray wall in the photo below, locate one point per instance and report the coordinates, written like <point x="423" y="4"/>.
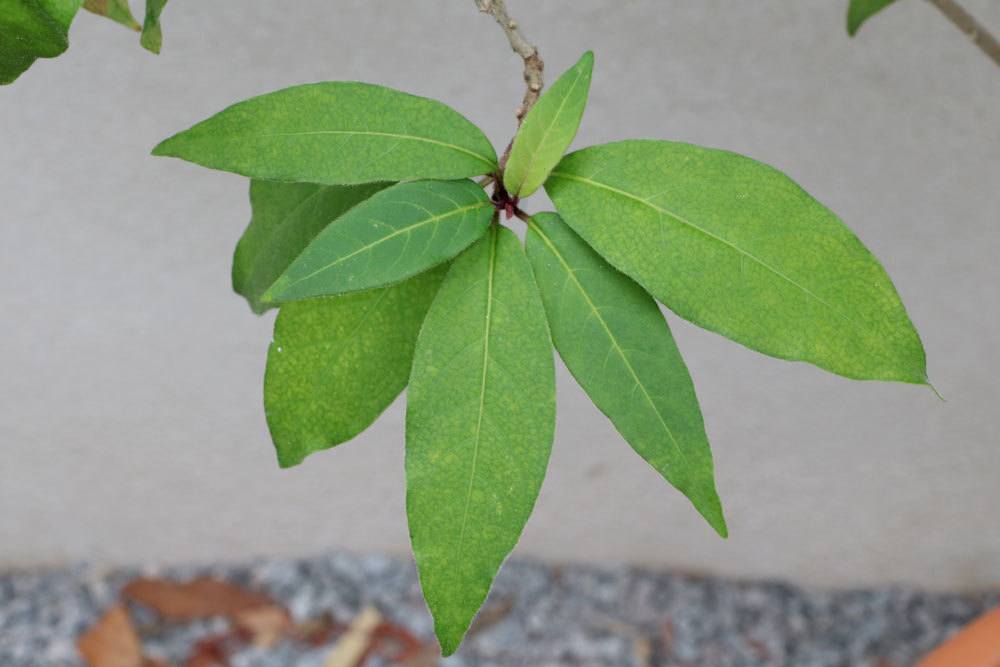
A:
<point x="130" y="399"/>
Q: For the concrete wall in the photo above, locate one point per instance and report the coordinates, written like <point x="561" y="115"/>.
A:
<point x="130" y="377"/>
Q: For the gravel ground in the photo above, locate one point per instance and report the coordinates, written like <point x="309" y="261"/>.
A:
<point x="562" y="615"/>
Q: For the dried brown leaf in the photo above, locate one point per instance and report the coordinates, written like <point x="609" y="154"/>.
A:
<point x="197" y="599"/>
<point x="264" y="626"/>
<point x="111" y="642"/>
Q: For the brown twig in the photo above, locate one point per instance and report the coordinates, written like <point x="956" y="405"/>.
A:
<point x="534" y="67"/>
<point x="976" y="31"/>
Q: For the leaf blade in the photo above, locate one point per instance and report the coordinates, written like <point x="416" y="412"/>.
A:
<point x="615" y="341"/>
<point x="548" y="129"/>
<point x="337" y="133"/>
<point x="151" y="38"/>
<point x="860" y="11"/>
<point x="32" y="29"/>
<point x="479" y="426"/>
<point x="116" y="10"/>
<point x="736" y="247"/>
<point x="286" y="217"/>
<point x="389" y="237"/>
<point x="337" y="363"/>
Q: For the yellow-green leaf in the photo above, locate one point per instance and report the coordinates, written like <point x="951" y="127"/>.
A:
<point x="736" y="247"/>
<point x="614" y="340"/>
<point x="286" y="217"/>
<point x="479" y="426"/>
<point x="548" y="130"/>
<point x="337" y="133"/>
<point x="397" y="233"/>
<point x="152" y="33"/>
<point x="336" y="363"/>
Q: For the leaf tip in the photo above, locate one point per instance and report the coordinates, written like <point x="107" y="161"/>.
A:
<point x="449" y="644"/>
<point x="717" y="520"/>
<point x="930" y="385"/>
<point x="274" y="293"/>
<point x="163" y="148"/>
<point x="288" y="459"/>
<point x="709" y="506"/>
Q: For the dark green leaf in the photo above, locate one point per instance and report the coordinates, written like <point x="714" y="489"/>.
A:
<point x="860" y="11"/>
<point x="152" y="34"/>
<point x="116" y="10"/>
<point x="479" y="427"/>
<point x="336" y="363"/>
<point x="286" y="217"/>
<point x="548" y="130"/>
<point x="32" y="29"/>
<point x="337" y="133"/>
<point x="736" y="247"/>
<point x="614" y="340"/>
<point x="397" y="233"/>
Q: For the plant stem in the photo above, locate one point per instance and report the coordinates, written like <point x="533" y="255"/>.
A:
<point x="976" y="31"/>
<point x="534" y="67"/>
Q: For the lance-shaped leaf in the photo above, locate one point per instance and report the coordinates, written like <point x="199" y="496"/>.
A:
<point x="152" y="33"/>
<point x="548" y="130"/>
<point x="397" y="233"/>
<point x="860" y="11"/>
<point x="336" y="363"/>
<point x="32" y="29"/>
<point x="286" y="217"/>
<point x="738" y="248"/>
<point x="479" y="426"/>
<point x="614" y="340"/>
<point x="116" y="10"/>
<point x="337" y="133"/>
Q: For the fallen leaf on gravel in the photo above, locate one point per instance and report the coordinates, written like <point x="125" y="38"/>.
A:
<point x="352" y="647"/>
<point x="193" y="600"/>
<point x="112" y="642"/>
<point x="264" y="626"/>
<point x="209" y="652"/>
<point x="317" y="631"/>
<point x="393" y="636"/>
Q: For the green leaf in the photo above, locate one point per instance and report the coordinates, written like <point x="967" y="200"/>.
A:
<point x="738" y="248"/>
<point x="397" y="233"/>
<point x="548" y="130"/>
<point x="614" y="340"/>
<point x="336" y="363"/>
<point x="337" y="133"/>
<point x="116" y="10"/>
<point x="32" y="29"/>
<point x="286" y="217"/>
<point x="860" y="11"/>
<point x="479" y="426"/>
<point x="152" y="34"/>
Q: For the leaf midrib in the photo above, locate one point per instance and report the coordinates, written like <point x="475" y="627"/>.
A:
<point x="482" y="387"/>
<point x="385" y="239"/>
<point x="610" y="335"/>
<point x="391" y="135"/>
<point x="684" y="221"/>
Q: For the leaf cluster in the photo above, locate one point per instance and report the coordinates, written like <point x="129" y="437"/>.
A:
<point x="32" y="29"/>
<point x="392" y="269"/>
